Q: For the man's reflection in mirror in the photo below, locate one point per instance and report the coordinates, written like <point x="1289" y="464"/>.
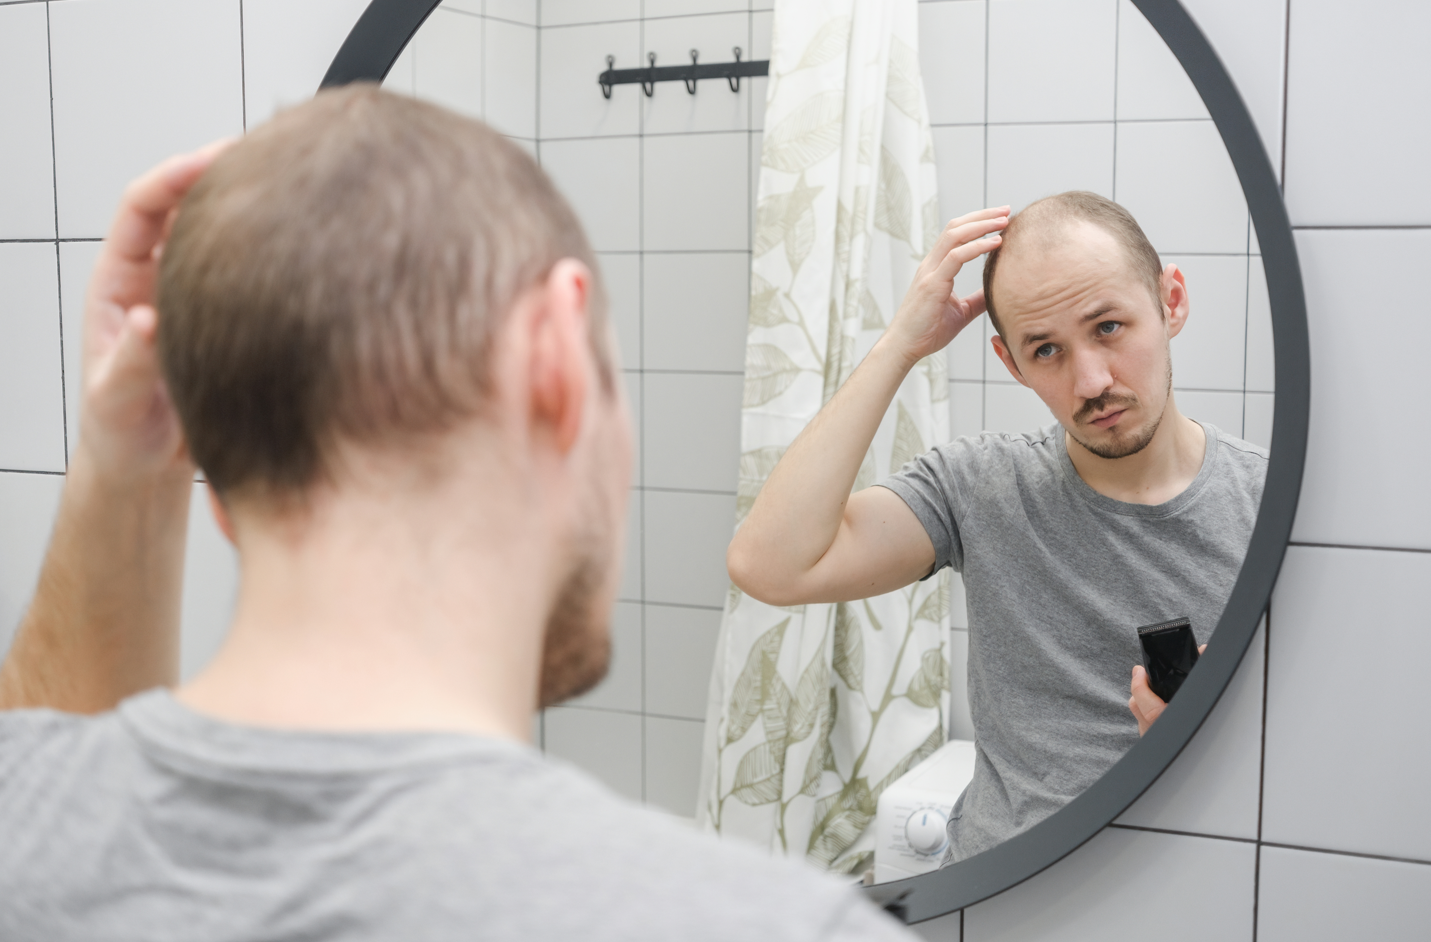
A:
<point x="1122" y="513"/>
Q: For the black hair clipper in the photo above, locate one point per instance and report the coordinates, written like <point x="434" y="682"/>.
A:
<point x="1169" y="653"/>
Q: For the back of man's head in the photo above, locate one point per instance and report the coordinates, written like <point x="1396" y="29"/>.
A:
<point x="337" y="277"/>
<point x="1042" y="223"/>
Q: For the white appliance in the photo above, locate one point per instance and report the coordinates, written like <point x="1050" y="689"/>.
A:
<point x="910" y="822"/>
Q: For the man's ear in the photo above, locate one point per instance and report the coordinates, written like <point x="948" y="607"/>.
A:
<point x="561" y="367"/>
<point x="221" y="514"/>
<point x="1007" y="358"/>
<point x="1174" y="289"/>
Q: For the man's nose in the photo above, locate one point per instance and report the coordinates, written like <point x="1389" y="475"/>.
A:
<point x="1091" y="376"/>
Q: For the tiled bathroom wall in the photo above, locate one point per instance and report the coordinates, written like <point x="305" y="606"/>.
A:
<point x="1295" y="813"/>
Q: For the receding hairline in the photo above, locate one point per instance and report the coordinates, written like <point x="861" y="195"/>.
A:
<point x="1042" y="221"/>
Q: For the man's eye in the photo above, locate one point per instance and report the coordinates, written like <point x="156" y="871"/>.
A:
<point x="1108" y="327"/>
<point x="1044" y="352"/>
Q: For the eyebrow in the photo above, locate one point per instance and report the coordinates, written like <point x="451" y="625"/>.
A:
<point x="1092" y="315"/>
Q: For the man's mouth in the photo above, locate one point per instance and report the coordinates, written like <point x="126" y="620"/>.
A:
<point x="1108" y="420"/>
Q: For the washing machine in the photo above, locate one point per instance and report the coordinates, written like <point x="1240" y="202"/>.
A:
<point x="913" y="813"/>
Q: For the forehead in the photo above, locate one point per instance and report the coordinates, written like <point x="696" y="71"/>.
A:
<point x="1064" y="270"/>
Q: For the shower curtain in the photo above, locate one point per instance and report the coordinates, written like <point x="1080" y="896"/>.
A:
<point x="813" y="711"/>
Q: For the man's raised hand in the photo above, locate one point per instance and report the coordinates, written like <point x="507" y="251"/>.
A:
<point x="931" y="314"/>
<point x="128" y="427"/>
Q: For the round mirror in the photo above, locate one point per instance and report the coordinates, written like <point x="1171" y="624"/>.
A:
<point x="675" y="177"/>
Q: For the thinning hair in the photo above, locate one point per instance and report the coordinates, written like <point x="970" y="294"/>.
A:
<point x="338" y="276"/>
<point x="1045" y="219"/>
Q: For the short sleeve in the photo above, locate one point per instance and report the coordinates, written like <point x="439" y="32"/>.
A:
<point x="925" y="484"/>
<point x="23" y="734"/>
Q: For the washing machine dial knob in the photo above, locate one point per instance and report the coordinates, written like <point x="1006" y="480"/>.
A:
<point x="925" y="831"/>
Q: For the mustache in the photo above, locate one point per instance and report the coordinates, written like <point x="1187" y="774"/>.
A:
<point x="1103" y="403"/>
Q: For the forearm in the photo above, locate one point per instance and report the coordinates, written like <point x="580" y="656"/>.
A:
<point x="799" y="511"/>
<point x="104" y="622"/>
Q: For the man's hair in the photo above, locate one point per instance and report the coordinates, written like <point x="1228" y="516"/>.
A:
<point x="338" y="276"/>
<point x="1044" y="219"/>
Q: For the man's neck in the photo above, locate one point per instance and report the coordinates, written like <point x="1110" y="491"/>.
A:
<point x="1159" y="472"/>
<point x="375" y="620"/>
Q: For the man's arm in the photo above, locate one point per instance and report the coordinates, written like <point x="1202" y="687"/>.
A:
<point x="807" y="539"/>
<point x="104" y="622"/>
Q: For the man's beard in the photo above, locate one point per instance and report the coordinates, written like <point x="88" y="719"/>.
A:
<point x="1122" y="445"/>
<point x="576" y="649"/>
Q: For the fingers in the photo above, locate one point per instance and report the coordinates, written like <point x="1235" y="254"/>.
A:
<point x="961" y="255"/>
<point x="966" y="227"/>
<point x="973" y="305"/>
<point x="1145" y="705"/>
<point x="147" y="201"/>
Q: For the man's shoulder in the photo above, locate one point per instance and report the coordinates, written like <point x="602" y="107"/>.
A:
<point x="1039" y="447"/>
<point x="1240" y="460"/>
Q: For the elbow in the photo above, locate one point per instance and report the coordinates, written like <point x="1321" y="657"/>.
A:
<point x="755" y="576"/>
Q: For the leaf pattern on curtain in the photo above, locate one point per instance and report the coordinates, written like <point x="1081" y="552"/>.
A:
<point x="815" y="710"/>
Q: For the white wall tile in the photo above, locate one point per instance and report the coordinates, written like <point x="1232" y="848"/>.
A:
<point x="117" y="112"/>
<point x="1030" y="161"/>
<point x="1177" y="179"/>
<point x="27" y="191"/>
<point x="1051" y="60"/>
<point x="287" y="48"/>
<point x="601" y="179"/>
<point x="961" y="719"/>
<point x="1382" y="94"/>
<point x="966" y="408"/>
<point x="635" y="396"/>
<point x="1121" y="884"/>
<point x="1009" y="407"/>
<point x="401" y="78"/>
<point x="1257" y="418"/>
<point x="447" y="61"/>
<point x="1368" y="326"/>
<point x="691" y="427"/>
<point x="654" y="8"/>
<point x="632" y="581"/>
<point x="622" y="277"/>
<point x="686" y="540"/>
<point x="959" y="162"/>
<point x="1209" y="352"/>
<point x="951" y="60"/>
<point x="465" y="6"/>
<point x="518" y="11"/>
<point x="210" y="587"/>
<point x="1309" y="897"/>
<point x="511" y="78"/>
<point x="76" y="262"/>
<point x="696" y="308"/>
<point x="1249" y="38"/>
<point x="1213" y="786"/>
<point x="621" y="689"/>
<point x="761" y="26"/>
<point x="28" y="503"/>
<point x="1220" y="409"/>
<point x="680" y="650"/>
<point x="1261" y="364"/>
<point x="559" y="12"/>
<point x="696" y="189"/>
<point x="32" y="395"/>
<point x="1151" y="81"/>
<point x="571" y="101"/>
<point x="673" y="764"/>
<point x="606" y="744"/>
<point x="714" y="107"/>
<point x="1344" y="761"/>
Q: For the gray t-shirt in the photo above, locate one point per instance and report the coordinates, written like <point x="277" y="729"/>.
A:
<point x="1058" y="578"/>
<point x="155" y="823"/>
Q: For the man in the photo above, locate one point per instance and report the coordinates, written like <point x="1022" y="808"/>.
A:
<point x="1122" y="514"/>
<point x="385" y="344"/>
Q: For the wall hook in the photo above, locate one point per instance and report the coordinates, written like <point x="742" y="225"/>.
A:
<point x="691" y="82"/>
<point x="605" y="76"/>
<point x="649" y="86"/>
<point x="734" y="80"/>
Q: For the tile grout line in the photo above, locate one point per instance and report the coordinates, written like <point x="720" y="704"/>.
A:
<point x="59" y="277"/>
<point x="1261" y="765"/>
<point x="984" y="328"/>
<point x="1286" y="76"/>
<point x="641" y="321"/>
<point x="1117" y="25"/>
<point x="243" y="74"/>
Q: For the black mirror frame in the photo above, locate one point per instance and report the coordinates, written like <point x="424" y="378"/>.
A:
<point x="383" y="31"/>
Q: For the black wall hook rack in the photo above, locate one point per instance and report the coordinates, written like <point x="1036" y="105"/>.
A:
<point x="647" y="78"/>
